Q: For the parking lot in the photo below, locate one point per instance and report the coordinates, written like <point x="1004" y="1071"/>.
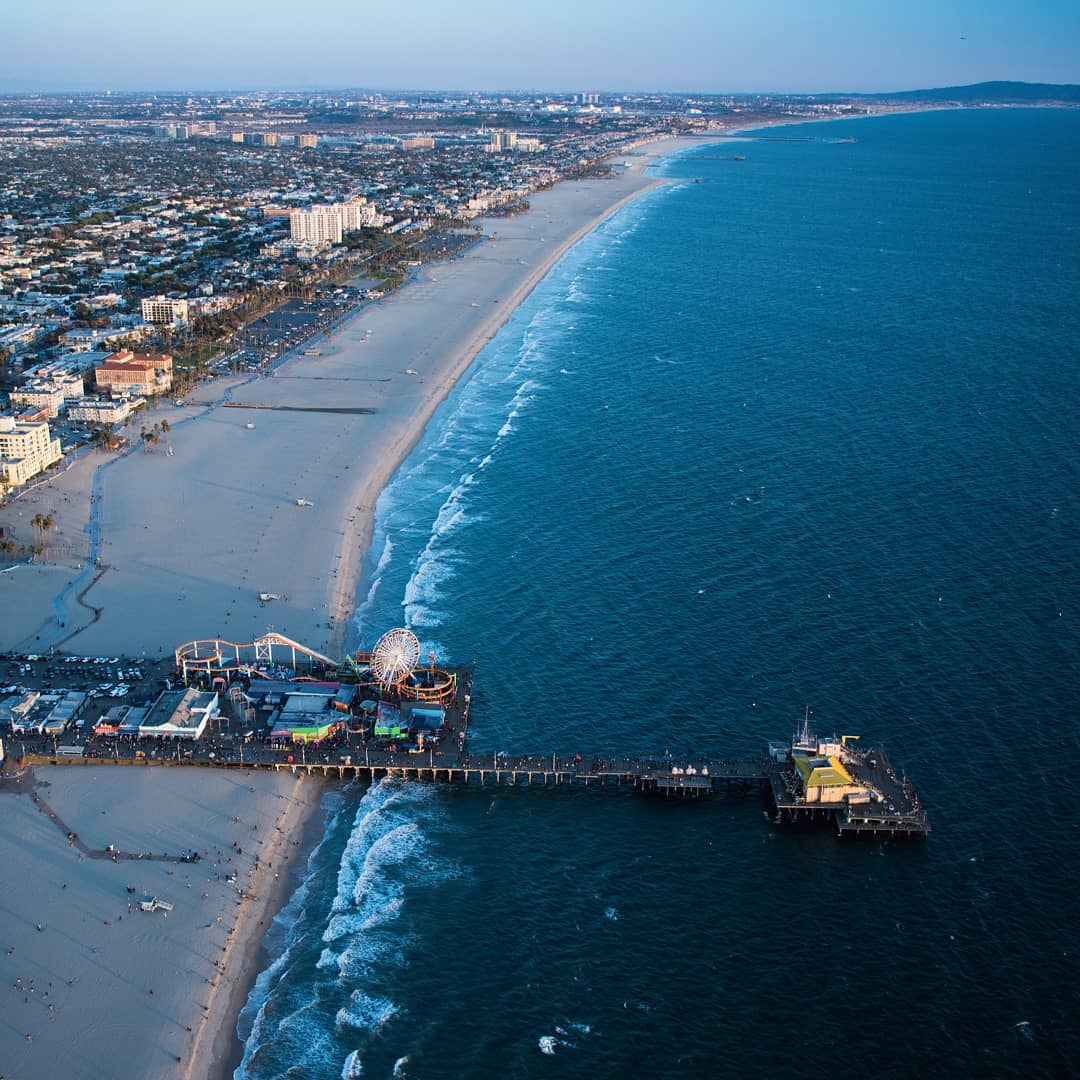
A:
<point x="290" y="327"/>
<point x="107" y="681"/>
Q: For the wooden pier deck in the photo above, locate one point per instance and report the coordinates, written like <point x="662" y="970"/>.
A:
<point x="893" y="809"/>
<point x="753" y="776"/>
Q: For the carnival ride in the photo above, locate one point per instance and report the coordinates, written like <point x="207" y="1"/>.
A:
<point x="215" y="657"/>
<point x="392" y="668"/>
<point x="395" y="656"/>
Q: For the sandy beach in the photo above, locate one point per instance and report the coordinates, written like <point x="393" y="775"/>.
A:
<point x="188" y="539"/>
<point x="97" y="987"/>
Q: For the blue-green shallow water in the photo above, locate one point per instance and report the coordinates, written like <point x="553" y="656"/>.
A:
<point x="803" y="432"/>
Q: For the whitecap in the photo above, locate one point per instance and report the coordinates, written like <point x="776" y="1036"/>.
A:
<point x="366" y="1012"/>
<point x="547" y="1044"/>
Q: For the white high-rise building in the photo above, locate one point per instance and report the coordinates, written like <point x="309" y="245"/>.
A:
<point x="328" y="223"/>
<point x="317" y="224"/>
<point x="163" y="311"/>
<point x="357" y="214"/>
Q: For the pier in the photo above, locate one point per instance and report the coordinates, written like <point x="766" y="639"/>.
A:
<point x="808" y="781"/>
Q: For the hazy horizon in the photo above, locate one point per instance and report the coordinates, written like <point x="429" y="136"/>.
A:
<point x="683" y="47"/>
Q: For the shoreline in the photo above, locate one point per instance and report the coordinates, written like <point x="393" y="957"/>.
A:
<point x="226" y="1049"/>
<point x="344" y="603"/>
<point x="162" y="984"/>
<point x="216" y="1040"/>
<point x="398" y="359"/>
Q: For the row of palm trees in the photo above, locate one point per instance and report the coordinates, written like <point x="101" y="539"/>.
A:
<point x="152" y="436"/>
<point x="10" y="550"/>
<point x="42" y="524"/>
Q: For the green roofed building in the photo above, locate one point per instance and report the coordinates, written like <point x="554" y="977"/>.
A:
<point x="824" y="779"/>
<point x="313" y="732"/>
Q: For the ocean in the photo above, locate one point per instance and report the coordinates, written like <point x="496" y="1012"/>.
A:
<point x="797" y="430"/>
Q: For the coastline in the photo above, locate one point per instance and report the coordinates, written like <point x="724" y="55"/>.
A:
<point x="367" y="494"/>
<point x="159" y="587"/>
<point x="189" y="539"/>
<point x="216" y="1045"/>
<point x="95" y="972"/>
<point x="224" y="1047"/>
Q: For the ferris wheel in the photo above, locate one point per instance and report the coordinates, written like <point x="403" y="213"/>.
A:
<point x="395" y="656"/>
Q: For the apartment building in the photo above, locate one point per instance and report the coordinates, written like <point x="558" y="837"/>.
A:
<point x="163" y="311"/>
<point x="25" y="450"/>
<point x="329" y="222"/>
<point x="43" y="396"/>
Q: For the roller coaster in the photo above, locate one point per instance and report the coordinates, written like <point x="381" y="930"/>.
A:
<point x="217" y="658"/>
<point x="393" y="667"/>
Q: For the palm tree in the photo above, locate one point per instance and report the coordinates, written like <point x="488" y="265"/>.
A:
<point x="165" y="429"/>
<point x="47" y="523"/>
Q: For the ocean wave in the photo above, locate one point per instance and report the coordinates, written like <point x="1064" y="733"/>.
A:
<point x="366" y="1012"/>
<point x="376" y="580"/>
<point x="372" y="951"/>
<point x="374" y="818"/>
<point x="432" y="566"/>
<point x="371" y="891"/>
<point x="300" y="1038"/>
<point x="251" y="1028"/>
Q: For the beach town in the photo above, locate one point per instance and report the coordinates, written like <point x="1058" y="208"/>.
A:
<point x="154" y="548"/>
<point x="191" y="528"/>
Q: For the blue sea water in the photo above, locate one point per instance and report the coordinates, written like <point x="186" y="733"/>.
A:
<point x="799" y="429"/>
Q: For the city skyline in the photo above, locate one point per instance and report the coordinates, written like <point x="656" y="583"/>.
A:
<point x="687" y="46"/>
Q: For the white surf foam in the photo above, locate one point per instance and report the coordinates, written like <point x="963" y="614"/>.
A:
<point x="366" y="1012"/>
<point x="250" y="1026"/>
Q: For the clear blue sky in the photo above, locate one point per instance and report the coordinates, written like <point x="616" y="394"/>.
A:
<point x="678" y="45"/>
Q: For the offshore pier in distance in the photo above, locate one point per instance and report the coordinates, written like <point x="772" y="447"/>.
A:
<point x="275" y="704"/>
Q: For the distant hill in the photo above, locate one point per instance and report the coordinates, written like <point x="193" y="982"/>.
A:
<point x="1004" y="93"/>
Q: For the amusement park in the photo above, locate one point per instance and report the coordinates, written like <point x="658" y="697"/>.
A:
<point x="289" y="694"/>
